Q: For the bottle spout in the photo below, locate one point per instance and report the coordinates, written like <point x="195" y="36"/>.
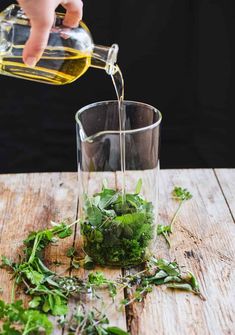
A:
<point x="105" y="58"/>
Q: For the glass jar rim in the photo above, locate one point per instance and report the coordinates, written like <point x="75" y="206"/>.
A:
<point x="126" y="132"/>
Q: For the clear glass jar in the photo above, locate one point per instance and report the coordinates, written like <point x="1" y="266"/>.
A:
<point x="68" y="55"/>
<point x="117" y="230"/>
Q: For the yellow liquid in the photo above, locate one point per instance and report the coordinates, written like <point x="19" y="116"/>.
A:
<point x="58" y="66"/>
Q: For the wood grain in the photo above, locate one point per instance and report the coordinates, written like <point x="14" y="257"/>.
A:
<point x="203" y="241"/>
<point x="28" y="202"/>
<point x="226" y="179"/>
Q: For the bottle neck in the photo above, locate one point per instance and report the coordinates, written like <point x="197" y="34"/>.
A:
<point x="105" y="58"/>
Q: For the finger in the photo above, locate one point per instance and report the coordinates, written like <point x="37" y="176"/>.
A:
<point x="37" y="41"/>
<point x="73" y="12"/>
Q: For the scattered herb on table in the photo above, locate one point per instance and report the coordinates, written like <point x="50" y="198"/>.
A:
<point x="159" y="272"/>
<point x="117" y="233"/>
<point x="39" y="281"/>
<point x="79" y="262"/>
<point x="50" y="292"/>
<point x="181" y="195"/>
<point x="16" y="320"/>
<point x="90" y="322"/>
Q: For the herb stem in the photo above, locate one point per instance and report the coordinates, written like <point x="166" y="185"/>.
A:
<point x="35" y="245"/>
<point x="166" y="238"/>
<point x="82" y="325"/>
<point x="176" y="214"/>
<point x="73" y="223"/>
<point x="13" y="292"/>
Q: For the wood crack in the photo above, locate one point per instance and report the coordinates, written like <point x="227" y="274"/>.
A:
<point x="222" y="191"/>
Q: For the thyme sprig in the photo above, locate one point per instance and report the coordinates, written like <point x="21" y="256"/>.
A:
<point x="90" y="322"/>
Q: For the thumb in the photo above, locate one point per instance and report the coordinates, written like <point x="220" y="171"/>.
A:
<point x="37" y="42"/>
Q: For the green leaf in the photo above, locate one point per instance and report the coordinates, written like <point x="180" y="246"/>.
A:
<point x="59" y="306"/>
<point x="170" y="268"/>
<point x="66" y="232"/>
<point x="6" y="262"/>
<point x="88" y="263"/>
<point x="163" y="229"/>
<point x="76" y="263"/>
<point x="109" y="212"/>
<point x="70" y="252"/>
<point x="35" y="302"/>
<point x="41" y="267"/>
<point x="133" y="200"/>
<point x="37" y="321"/>
<point x="181" y="194"/>
<point x="172" y="279"/>
<point x="2" y="309"/>
<point x="138" y="186"/>
<point x="107" y="198"/>
<point x="130" y="218"/>
<point x="8" y="330"/>
<point x="98" y="236"/>
<point x="112" y="290"/>
<point x="46" y="306"/>
<point x="97" y="278"/>
<point x="51" y="282"/>
<point x="124" y="302"/>
<point x="35" y="277"/>
<point x="94" y="215"/>
<point x="27" y="321"/>
<point x="193" y="281"/>
<point x="181" y="286"/>
<point x="165" y="232"/>
<point x="116" y="331"/>
<point x="159" y="274"/>
<point x="96" y="200"/>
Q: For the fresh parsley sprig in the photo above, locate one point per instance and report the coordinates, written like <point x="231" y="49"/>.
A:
<point x="181" y="195"/>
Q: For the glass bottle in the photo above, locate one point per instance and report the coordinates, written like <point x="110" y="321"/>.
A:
<point x="68" y="55"/>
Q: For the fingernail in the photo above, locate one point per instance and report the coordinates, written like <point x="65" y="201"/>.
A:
<point x="31" y="61"/>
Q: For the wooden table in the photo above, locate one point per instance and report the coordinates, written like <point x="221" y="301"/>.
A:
<point x="203" y="241"/>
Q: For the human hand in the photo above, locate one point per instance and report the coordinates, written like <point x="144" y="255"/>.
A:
<point x="41" y="14"/>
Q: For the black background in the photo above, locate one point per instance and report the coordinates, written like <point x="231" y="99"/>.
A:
<point x="177" y="55"/>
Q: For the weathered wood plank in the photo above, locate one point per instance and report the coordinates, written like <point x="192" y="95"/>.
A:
<point x="226" y="179"/>
<point x="203" y="241"/>
<point x="28" y="202"/>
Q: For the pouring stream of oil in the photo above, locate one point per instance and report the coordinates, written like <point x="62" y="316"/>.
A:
<point x="118" y="83"/>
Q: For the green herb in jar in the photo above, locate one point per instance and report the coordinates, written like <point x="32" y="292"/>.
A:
<point x="117" y="233"/>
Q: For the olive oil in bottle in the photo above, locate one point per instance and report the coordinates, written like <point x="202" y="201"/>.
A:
<point x="51" y="70"/>
<point x="68" y="55"/>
